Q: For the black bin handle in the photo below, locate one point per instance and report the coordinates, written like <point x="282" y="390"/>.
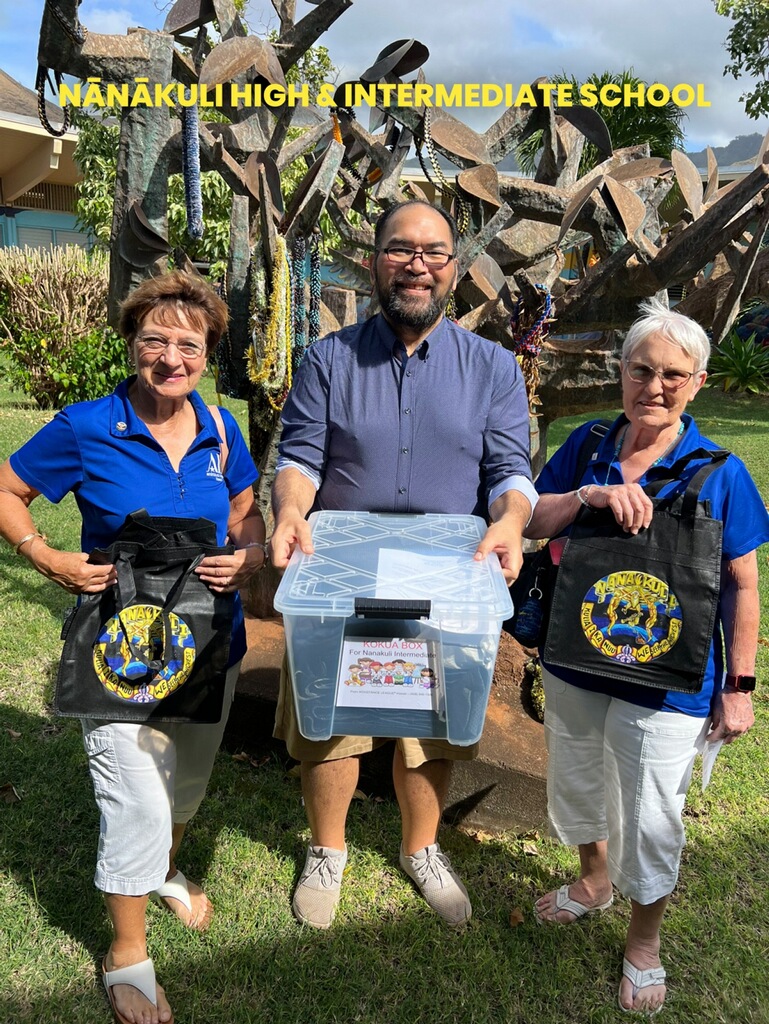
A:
<point x="387" y="608"/>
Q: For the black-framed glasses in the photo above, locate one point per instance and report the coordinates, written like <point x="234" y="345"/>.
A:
<point x="431" y="258"/>
<point x="671" y="379"/>
<point x="188" y="349"/>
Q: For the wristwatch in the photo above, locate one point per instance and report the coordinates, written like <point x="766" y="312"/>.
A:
<point x="744" y="683"/>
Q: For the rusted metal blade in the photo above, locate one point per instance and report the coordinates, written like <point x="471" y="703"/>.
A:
<point x="340" y="100"/>
<point x="251" y="172"/>
<point x="628" y="209"/>
<point x="481" y="181"/>
<point x="456" y="138"/>
<point x="188" y="14"/>
<point x="310" y="198"/>
<point x="647" y="167"/>
<point x="592" y="126"/>
<point x="376" y="119"/>
<point x="689" y="181"/>
<point x="487" y="275"/>
<point x="143" y="232"/>
<point x="234" y="56"/>
<point x="712" y="186"/>
<point x="571" y="212"/>
<point x="398" y="58"/>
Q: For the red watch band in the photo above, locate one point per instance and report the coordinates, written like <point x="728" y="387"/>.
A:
<point x="746" y="684"/>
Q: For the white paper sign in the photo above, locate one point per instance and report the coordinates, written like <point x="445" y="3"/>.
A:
<point x="397" y="673"/>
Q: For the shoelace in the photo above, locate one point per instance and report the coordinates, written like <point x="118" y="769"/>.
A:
<point x="436" y="864"/>
<point x="328" y="871"/>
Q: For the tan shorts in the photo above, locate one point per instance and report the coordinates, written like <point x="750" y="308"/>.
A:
<point x="415" y="751"/>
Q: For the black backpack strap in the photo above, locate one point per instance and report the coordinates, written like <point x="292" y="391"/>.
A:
<point x="588" y="448"/>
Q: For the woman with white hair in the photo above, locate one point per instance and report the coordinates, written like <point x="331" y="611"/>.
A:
<point x="621" y="754"/>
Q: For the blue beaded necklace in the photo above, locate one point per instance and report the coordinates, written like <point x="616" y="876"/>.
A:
<point x="621" y="441"/>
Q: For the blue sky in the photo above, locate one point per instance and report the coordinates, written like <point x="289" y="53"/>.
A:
<point x="496" y="41"/>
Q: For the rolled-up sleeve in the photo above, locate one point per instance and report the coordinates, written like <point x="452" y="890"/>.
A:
<point x="305" y="419"/>
<point x="507" y="462"/>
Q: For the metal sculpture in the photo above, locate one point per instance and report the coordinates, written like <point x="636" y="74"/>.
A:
<point x="515" y="230"/>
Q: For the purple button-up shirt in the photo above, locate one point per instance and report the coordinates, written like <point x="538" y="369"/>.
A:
<point x="445" y="430"/>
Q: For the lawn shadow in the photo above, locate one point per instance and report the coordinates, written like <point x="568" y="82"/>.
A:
<point x="387" y="958"/>
<point x="50" y="834"/>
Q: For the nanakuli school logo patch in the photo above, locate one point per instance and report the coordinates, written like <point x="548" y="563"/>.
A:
<point x="631" y="617"/>
<point x="126" y="675"/>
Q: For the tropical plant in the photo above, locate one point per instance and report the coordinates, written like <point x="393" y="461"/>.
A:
<point x="740" y="364"/>
<point x="54" y="337"/>
<point x="660" y="127"/>
<point x="748" y="47"/>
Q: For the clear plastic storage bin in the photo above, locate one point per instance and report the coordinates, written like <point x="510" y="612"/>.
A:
<point x="392" y="628"/>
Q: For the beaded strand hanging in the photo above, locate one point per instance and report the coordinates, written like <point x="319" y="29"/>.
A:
<point x="314" y="314"/>
<point x="528" y="340"/>
<point x="193" y="196"/>
<point x="301" y="315"/>
<point x="271" y="370"/>
<point x="298" y="261"/>
<point x="443" y="184"/>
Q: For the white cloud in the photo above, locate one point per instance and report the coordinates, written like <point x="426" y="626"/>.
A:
<point x="505" y="41"/>
<point x="115" y="20"/>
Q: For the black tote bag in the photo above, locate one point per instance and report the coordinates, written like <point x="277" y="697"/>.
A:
<point x="641" y="609"/>
<point x="154" y="647"/>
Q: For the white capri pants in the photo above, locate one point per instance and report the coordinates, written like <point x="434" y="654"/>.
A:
<point x="146" y="779"/>
<point x="620" y="772"/>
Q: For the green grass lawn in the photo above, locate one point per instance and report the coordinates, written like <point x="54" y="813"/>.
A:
<point x="387" y="959"/>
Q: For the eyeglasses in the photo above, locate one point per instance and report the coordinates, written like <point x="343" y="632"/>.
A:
<point x="671" y="380"/>
<point x="400" y="254"/>
<point x="187" y="349"/>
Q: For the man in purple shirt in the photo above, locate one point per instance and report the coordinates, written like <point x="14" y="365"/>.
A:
<point x="407" y="412"/>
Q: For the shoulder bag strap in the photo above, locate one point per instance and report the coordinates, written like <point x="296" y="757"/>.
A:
<point x="715" y="459"/>
<point x="588" y="448"/>
<point x="225" y="448"/>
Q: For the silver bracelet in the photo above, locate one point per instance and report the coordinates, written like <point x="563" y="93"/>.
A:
<point x="23" y="541"/>
<point x="583" y="500"/>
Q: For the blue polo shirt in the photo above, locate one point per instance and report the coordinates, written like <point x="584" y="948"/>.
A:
<point x="734" y="499"/>
<point x="383" y="432"/>
<point x="104" y="454"/>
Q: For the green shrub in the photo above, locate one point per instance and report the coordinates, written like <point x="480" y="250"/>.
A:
<point x="740" y="364"/>
<point x="54" y="338"/>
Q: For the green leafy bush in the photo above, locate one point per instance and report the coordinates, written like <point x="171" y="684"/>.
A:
<point x="740" y="364"/>
<point x="54" y="339"/>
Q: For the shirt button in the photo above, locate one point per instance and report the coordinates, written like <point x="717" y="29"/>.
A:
<point x="408" y="373"/>
<point x="406" y="412"/>
<point x="121" y="426"/>
<point x="405" y="451"/>
<point x="401" y="490"/>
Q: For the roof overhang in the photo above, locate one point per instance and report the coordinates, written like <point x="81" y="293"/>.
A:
<point x="29" y="155"/>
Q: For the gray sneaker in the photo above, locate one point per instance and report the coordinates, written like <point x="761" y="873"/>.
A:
<point x="317" y="891"/>
<point x="435" y="878"/>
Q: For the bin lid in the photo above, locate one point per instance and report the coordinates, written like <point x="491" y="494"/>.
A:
<point x="395" y="557"/>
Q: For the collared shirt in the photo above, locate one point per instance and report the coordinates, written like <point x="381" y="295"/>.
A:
<point x="105" y="455"/>
<point x="733" y="499"/>
<point x="444" y="430"/>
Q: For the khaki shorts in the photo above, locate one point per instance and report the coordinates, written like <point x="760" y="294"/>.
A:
<point x="415" y="751"/>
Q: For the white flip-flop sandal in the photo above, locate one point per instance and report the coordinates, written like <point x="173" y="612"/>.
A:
<point x="177" y="888"/>
<point x="641" y="979"/>
<point x="564" y="902"/>
<point x="140" y="976"/>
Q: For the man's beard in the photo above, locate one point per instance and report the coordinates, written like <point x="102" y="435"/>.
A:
<point x="403" y="311"/>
